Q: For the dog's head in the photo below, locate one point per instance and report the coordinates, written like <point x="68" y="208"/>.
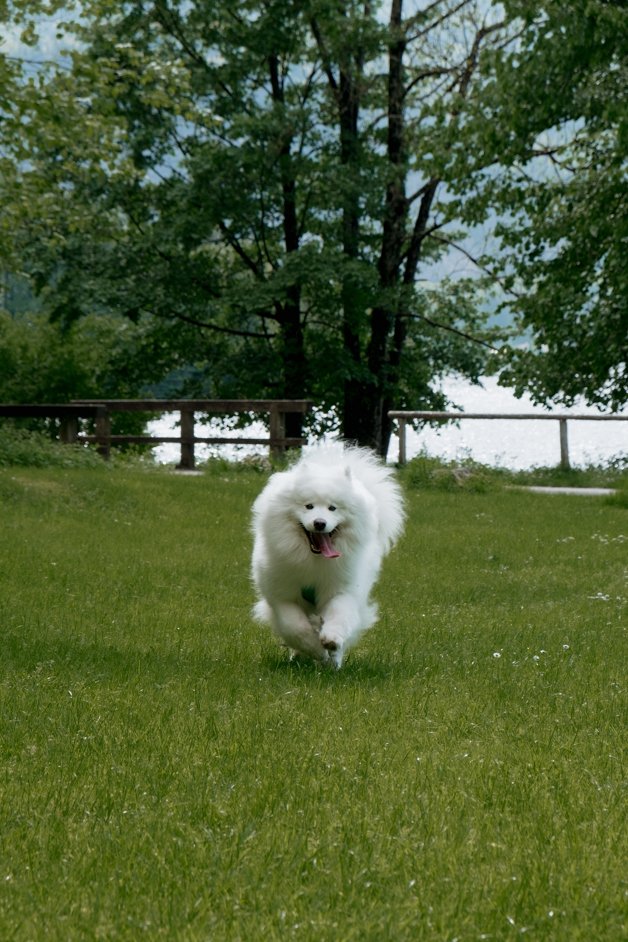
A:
<point x="321" y="518"/>
<point x="328" y="506"/>
<point x="317" y="508"/>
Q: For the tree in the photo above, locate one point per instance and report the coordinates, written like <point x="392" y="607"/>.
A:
<point x="554" y="117"/>
<point x="267" y="174"/>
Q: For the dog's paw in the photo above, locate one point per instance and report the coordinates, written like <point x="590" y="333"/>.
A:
<point x="301" y="657"/>
<point x="334" y="647"/>
<point x="336" y="658"/>
<point x="329" y="638"/>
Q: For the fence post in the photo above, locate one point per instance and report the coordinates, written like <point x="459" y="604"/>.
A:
<point x="277" y="425"/>
<point x="68" y="431"/>
<point x="564" y="445"/>
<point x="187" y="440"/>
<point x="402" y="441"/>
<point x="103" y="431"/>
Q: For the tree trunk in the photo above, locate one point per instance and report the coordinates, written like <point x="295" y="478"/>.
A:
<point x="295" y="364"/>
<point x="384" y="317"/>
<point x="359" y="386"/>
<point x="354" y="419"/>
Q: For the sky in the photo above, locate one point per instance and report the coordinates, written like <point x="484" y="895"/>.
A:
<point x="49" y="46"/>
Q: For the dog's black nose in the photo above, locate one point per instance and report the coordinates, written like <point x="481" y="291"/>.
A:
<point x="320" y="524"/>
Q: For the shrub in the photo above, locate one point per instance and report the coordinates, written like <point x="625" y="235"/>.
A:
<point x="28" y="449"/>
<point x="424" y="472"/>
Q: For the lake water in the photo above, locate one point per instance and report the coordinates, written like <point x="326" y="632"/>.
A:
<point x="508" y="444"/>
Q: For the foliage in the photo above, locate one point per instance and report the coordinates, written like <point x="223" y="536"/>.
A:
<point x="268" y="176"/>
<point x="40" y="362"/>
<point x="553" y="120"/>
<point x="428" y="473"/>
<point x="271" y="182"/>
<point x="620" y="497"/>
<point x="26" y="448"/>
<point x="168" y="774"/>
<point x="98" y="356"/>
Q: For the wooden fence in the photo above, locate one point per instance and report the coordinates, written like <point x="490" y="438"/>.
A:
<point x="67" y="413"/>
<point x="100" y="411"/>
<point x="404" y="417"/>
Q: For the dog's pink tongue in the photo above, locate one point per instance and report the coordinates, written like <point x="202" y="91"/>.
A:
<point x="326" y="546"/>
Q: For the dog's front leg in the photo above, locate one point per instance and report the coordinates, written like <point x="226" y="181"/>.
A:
<point x="296" y="630"/>
<point x="343" y="620"/>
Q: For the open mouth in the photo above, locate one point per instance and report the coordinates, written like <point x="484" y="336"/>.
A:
<point x="322" y="543"/>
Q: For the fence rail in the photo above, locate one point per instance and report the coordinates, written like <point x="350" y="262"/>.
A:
<point x="68" y="414"/>
<point x="404" y="417"/>
<point x="100" y="411"/>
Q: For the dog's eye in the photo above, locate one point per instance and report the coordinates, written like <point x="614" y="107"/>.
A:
<point x="331" y="507"/>
<point x="309" y="506"/>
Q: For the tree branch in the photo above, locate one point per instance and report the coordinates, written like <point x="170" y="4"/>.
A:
<point x="450" y="329"/>
<point x="472" y="58"/>
<point x="427" y="73"/>
<point x="234" y="242"/>
<point x="171" y="22"/>
<point x="441" y="19"/>
<point x="216" y="328"/>
<point x="476" y="262"/>
<point x="419" y="232"/>
<point x="40" y="63"/>
<point x="320" y="42"/>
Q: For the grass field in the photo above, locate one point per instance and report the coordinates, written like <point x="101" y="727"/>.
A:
<point x="167" y="774"/>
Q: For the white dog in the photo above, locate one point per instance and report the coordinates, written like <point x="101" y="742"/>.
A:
<point x="321" y="531"/>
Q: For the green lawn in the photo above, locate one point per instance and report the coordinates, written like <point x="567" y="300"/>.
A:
<point x="167" y="774"/>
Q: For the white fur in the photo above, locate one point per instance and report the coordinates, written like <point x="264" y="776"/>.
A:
<point x="338" y="490"/>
